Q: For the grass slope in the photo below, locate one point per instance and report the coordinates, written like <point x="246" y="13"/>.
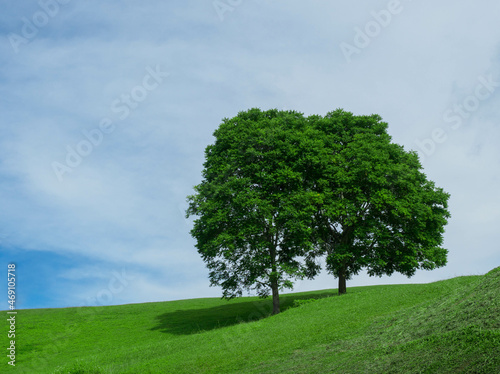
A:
<point x="443" y="327"/>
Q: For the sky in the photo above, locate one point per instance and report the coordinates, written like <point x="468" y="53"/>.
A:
<point x="106" y="109"/>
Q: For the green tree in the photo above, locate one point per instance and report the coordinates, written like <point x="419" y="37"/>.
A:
<point x="378" y="210"/>
<point x="255" y="211"/>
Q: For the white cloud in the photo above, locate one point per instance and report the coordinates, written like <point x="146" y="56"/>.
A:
<point x="124" y="203"/>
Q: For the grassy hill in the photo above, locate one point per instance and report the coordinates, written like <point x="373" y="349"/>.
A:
<point x="449" y="326"/>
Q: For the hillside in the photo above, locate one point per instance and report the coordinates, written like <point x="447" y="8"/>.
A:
<point x="443" y="327"/>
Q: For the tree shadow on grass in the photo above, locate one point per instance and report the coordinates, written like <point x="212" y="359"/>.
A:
<point x="192" y="321"/>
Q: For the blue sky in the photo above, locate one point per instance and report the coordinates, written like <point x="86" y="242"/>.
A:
<point x="106" y="109"/>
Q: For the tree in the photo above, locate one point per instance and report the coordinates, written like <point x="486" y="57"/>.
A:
<point x="255" y="212"/>
<point x="378" y="209"/>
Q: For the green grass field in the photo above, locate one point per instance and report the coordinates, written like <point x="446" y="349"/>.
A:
<point x="451" y="326"/>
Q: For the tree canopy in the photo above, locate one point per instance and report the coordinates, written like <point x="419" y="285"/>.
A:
<point x="255" y="214"/>
<point x="280" y="191"/>
<point x="379" y="211"/>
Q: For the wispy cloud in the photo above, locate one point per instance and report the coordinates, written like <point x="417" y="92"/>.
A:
<point x="121" y="205"/>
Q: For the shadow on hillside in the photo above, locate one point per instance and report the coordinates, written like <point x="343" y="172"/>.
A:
<point x="192" y="321"/>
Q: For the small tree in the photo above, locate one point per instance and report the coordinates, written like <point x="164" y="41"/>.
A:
<point x="378" y="209"/>
<point x="255" y="212"/>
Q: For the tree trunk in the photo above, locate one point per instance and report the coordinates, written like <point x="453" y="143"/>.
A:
<point x="276" y="297"/>
<point x="274" y="279"/>
<point x="342" y="283"/>
<point x="346" y="245"/>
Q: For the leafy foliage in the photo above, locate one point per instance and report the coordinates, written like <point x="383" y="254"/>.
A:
<point x="255" y="212"/>
<point x="281" y="190"/>
<point x="378" y="209"/>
